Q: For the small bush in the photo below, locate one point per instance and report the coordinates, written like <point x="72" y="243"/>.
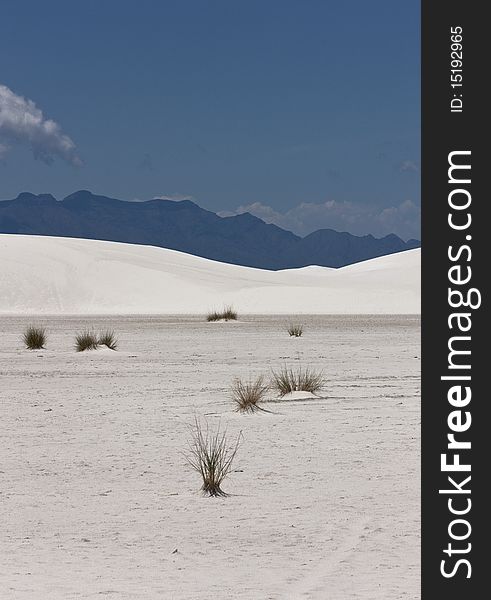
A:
<point x="107" y="338"/>
<point x="295" y="330"/>
<point x="86" y="341"/>
<point x="34" y="338"/>
<point x="288" y="380"/>
<point x="227" y="314"/>
<point x="247" y="395"/>
<point x="211" y="455"/>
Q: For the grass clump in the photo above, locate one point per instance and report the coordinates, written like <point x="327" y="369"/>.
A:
<point x="86" y="341"/>
<point x="107" y="338"/>
<point x="227" y="314"/>
<point x="34" y="338"/>
<point x="295" y="329"/>
<point x="247" y="395"/>
<point x="287" y="381"/>
<point x="211" y="455"/>
<point x="213" y="316"/>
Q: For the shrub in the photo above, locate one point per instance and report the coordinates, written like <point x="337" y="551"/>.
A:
<point x="86" y="341"/>
<point x="107" y="338"/>
<point x="34" y="338"/>
<point x="295" y="329"/>
<point x="287" y="380"/>
<point x="227" y="314"/>
<point x="247" y="395"/>
<point x="211" y="455"/>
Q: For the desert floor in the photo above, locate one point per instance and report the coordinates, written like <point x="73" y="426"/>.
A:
<point x="97" y="500"/>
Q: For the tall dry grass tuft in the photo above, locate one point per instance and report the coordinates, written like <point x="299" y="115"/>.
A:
<point x="227" y="314"/>
<point x="86" y="341"/>
<point x="211" y="455"/>
<point x="247" y="395"/>
<point x="287" y="381"/>
<point x="34" y="338"/>
<point x="213" y="316"/>
<point x="107" y="338"/>
<point x="295" y="329"/>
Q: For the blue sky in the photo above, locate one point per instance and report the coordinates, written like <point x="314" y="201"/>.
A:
<point x="306" y="113"/>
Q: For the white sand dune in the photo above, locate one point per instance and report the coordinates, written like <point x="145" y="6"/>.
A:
<point x="48" y="275"/>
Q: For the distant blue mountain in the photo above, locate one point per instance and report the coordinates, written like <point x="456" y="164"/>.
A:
<point x="242" y="239"/>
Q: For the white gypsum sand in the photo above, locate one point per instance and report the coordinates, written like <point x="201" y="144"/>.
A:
<point x="47" y="275"/>
<point x="97" y="500"/>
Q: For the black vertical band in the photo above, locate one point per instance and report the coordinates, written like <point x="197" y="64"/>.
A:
<point x="455" y="339"/>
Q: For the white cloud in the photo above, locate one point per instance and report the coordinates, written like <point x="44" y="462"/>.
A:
<point x="356" y="218"/>
<point x="21" y="121"/>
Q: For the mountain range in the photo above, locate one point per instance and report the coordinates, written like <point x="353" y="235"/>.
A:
<point x="183" y="225"/>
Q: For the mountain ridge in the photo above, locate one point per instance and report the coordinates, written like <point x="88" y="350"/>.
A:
<point x="183" y="225"/>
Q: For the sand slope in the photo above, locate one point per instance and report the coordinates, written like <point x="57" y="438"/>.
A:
<point x="46" y="275"/>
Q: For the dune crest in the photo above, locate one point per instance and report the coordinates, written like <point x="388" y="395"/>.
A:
<point x="48" y="275"/>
